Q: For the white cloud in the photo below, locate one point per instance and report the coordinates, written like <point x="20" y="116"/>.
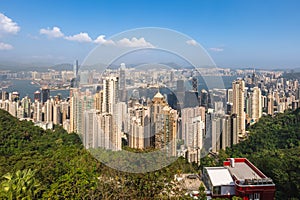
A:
<point x="134" y="42"/>
<point x="192" y="42"/>
<point x="216" y="49"/>
<point x="7" y="25"/>
<point x="101" y="40"/>
<point x="55" y="32"/>
<point x="81" y="37"/>
<point x="4" y="46"/>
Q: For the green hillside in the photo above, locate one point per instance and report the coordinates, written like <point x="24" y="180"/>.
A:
<point x="38" y="164"/>
<point x="274" y="147"/>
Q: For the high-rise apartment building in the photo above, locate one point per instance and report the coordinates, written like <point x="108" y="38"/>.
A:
<point x="122" y="83"/>
<point x="230" y="95"/>
<point x="37" y="111"/>
<point x="139" y="132"/>
<point x="37" y="96"/>
<point x="192" y="121"/>
<point x="109" y="107"/>
<point x="64" y="110"/>
<point x="238" y="89"/>
<point x="255" y="105"/>
<point x="226" y="134"/>
<point x="48" y="113"/>
<point x="57" y="114"/>
<point x="110" y="94"/>
<point x="270" y="104"/>
<point x="74" y="98"/>
<point x="26" y="107"/>
<point x="163" y="125"/>
<point x="91" y="136"/>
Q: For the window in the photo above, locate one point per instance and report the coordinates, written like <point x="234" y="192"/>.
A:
<point x="250" y="196"/>
<point x="217" y="190"/>
<point x="256" y="196"/>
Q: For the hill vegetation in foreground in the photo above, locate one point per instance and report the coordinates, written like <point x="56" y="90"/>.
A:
<point x="39" y="164"/>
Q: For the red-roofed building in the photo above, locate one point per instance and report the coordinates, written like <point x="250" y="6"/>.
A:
<point x="249" y="182"/>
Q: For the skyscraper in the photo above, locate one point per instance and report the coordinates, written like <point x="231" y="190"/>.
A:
<point x="122" y="83"/>
<point x="56" y="114"/>
<point x="98" y="99"/>
<point x="255" y="105"/>
<point x="234" y="129"/>
<point x="192" y="123"/>
<point x="75" y="69"/>
<point x="15" y="96"/>
<point x="37" y="96"/>
<point x="12" y="108"/>
<point x="163" y="125"/>
<point x="191" y="99"/>
<point x="45" y="94"/>
<point x="216" y="134"/>
<point x="204" y="98"/>
<point x="91" y="129"/>
<point x="238" y="89"/>
<point x="180" y="93"/>
<point x="110" y="112"/>
<point x="230" y="96"/>
<point x="225" y="138"/>
<point x="195" y="84"/>
<point x="64" y="109"/>
<point x="26" y="107"/>
<point x="139" y="132"/>
<point x="74" y="107"/>
<point x="270" y="104"/>
<point x="37" y="111"/>
<point x="110" y="94"/>
<point x="107" y="136"/>
<point x="48" y="111"/>
<point x="4" y="95"/>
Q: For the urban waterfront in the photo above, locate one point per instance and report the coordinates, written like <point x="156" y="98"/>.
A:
<point x="25" y="88"/>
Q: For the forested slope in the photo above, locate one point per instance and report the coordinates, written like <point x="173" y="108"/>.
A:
<point x="274" y="147"/>
<point x="38" y="164"/>
<point x="54" y="164"/>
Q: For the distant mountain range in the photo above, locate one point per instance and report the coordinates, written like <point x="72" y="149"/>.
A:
<point x="44" y="66"/>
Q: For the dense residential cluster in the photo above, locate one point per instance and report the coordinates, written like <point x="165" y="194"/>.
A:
<point x="161" y="109"/>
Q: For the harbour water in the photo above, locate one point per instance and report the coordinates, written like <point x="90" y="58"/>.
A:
<point x="25" y="88"/>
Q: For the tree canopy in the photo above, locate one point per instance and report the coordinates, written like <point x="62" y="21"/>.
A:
<point x="55" y="165"/>
<point x="274" y="147"/>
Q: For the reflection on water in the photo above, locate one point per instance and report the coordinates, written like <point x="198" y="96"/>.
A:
<point x="25" y="88"/>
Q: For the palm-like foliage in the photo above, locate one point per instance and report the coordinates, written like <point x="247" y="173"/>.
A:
<point x="20" y="185"/>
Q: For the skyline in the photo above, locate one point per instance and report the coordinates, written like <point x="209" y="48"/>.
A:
<point x="235" y="34"/>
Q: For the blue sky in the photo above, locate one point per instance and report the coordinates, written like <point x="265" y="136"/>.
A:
<point x="256" y="33"/>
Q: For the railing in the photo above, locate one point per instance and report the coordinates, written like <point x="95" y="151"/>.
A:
<point x="255" y="182"/>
